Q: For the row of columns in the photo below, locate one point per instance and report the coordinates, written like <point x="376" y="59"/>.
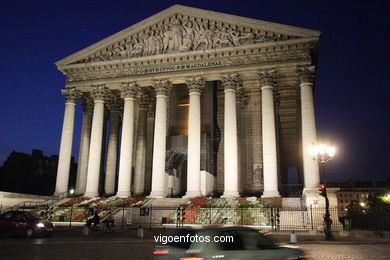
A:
<point x="91" y="144"/>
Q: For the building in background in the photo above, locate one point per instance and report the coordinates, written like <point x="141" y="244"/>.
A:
<point x="32" y="173"/>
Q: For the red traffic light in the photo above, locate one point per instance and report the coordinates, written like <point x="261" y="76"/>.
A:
<point x="322" y="189"/>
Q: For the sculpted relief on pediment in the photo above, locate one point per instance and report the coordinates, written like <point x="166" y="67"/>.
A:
<point x="181" y="33"/>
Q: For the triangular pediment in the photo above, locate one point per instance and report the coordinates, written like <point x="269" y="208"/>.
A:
<point x="185" y="29"/>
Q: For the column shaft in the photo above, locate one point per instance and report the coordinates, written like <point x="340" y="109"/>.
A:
<point x="84" y="153"/>
<point x="309" y="136"/>
<point x="65" y="148"/>
<point x="140" y="154"/>
<point x="159" y="180"/>
<point x="269" y="144"/>
<point x="126" y="153"/>
<point x="230" y="145"/>
<point x="95" y="150"/>
<point x="193" y="168"/>
<point x="109" y="183"/>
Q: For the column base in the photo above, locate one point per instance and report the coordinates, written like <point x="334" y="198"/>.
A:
<point x="192" y="194"/>
<point x="91" y="194"/>
<point x="123" y="194"/>
<point x="157" y="195"/>
<point x="230" y="194"/>
<point x="270" y="194"/>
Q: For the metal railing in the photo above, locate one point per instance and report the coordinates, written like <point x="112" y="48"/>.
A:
<point x="267" y="218"/>
<point x="36" y="204"/>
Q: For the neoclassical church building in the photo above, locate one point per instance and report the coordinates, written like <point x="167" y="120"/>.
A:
<point x="190" y="102"/>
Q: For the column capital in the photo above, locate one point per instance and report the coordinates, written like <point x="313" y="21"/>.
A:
<point x="195" y="85"/>
<point x="115" y="103"/>
<point x="267" y="78"/>
<point x="242" y="96"/>
<point x="87" y="102"/>
<point x="162" y="87"/>
<point x="129" y="90"/>
<point x="306" y="74"/>
<point x="144" y="101"/>
<point x="230" y="81"/>
<point x="71" y="94"/>
<point x="100" y="93"/>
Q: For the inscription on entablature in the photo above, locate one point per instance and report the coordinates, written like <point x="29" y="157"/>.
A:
<point x="109" y="72"/>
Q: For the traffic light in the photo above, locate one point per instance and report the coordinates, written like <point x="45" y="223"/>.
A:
<point x="322" y="189"/>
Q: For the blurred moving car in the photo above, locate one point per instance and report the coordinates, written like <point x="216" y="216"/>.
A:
<point x="233" y="243"/>
<point x="25" y="223"/>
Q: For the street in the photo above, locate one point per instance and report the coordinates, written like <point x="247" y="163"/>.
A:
<point x="73" y="245"/>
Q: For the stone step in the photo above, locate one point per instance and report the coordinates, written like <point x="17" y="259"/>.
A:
<point x="291" y="202"/>
<point x="167" y="202"/>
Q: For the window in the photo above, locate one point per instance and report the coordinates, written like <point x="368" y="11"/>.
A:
<point x="7" y="215"/>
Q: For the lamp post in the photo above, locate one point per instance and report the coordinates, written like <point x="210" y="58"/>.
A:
<point x="323" y="153"/>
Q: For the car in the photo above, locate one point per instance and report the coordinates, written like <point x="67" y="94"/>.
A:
<point x="25" y="223"/>
<point x="221" y="243"/>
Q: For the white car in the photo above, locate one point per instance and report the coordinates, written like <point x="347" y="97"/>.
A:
<point x="222" y="243"/>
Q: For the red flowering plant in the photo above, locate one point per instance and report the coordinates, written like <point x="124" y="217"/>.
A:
<point x="80" y="217"/>
<point x="73" y="201"/>
<point x="198" y="202"/>
<point x="92" y="201"/>
<point x="191" y="208"/>
<point x="128" y="202"/>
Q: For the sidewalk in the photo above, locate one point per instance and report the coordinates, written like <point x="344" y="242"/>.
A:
<point x="356" y="236"/>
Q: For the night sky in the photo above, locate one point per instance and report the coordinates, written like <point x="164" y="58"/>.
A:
<point x="352" y="93"/>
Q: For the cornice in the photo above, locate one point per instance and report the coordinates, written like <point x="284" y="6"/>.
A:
<point x="190" y="61"/>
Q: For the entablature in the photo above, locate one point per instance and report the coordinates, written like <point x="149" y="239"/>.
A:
<point x="208" y="60"/>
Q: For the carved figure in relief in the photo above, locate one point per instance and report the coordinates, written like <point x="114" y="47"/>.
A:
<point x="203" y="38"/>
<point x="152" y="45"/>
<point x="183" y="34"/>
<point x="137" y="49"/>
<point x="247" y="38"/>
<point x="177" y="35"/>
<point x="189" y="36"/>
<point x="222" y="39"/>
<point x="235" y="35"/>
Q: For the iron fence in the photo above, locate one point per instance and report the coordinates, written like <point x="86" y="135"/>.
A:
<point x="267" y="218"/>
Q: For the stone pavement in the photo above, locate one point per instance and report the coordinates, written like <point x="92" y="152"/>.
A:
<point x="71" y="244"/>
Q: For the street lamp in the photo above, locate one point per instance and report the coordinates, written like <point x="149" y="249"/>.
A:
<point x="323" y="153"/>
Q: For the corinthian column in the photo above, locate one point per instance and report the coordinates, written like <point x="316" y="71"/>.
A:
<point x="115" y="106"/>
<point x="267" y="82"/>
<point x="129" y="93"/>
<point x="99" y="95"/>
<point x="140" y="154"/>
<point x="159" y="180"/>
<point x="71" y="95"/>
<point x="230" y="83"/>
<point x="85" y="139"/>
<point x="309" y="133"/>
<point x="195" y="86"/>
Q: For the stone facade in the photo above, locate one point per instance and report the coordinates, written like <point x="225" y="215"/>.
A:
<point x="221" y="56"/>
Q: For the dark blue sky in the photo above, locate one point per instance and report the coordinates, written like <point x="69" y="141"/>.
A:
<point x="352" y="90"/>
